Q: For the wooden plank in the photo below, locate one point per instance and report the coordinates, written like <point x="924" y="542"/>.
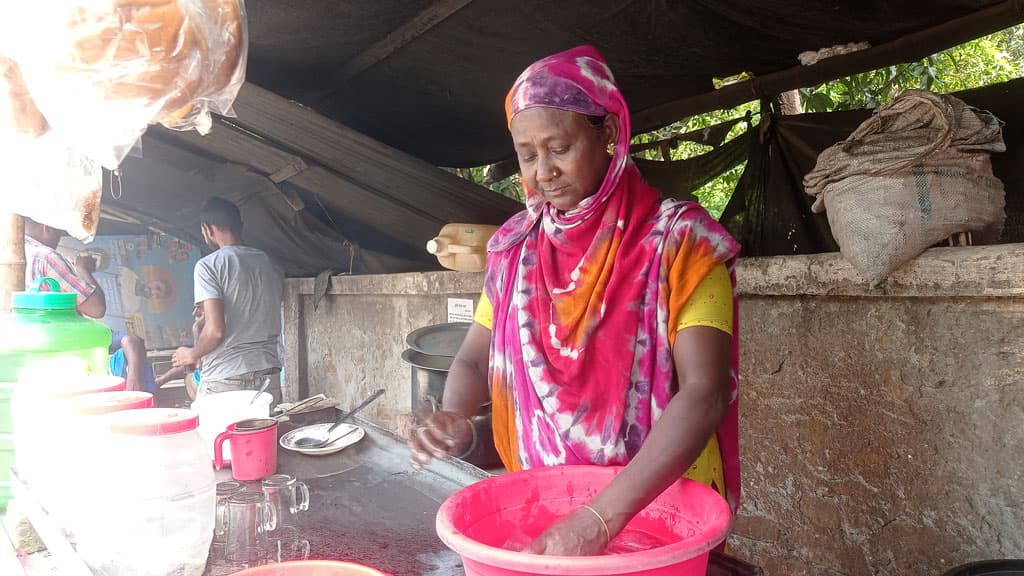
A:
<point x="906" y="49"/>
<point x="12" y="258"/>
<point x="428" y="18"/>
<point x="380" y="169"/>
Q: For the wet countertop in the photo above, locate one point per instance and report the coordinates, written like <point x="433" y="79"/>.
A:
<point x="367" y="505"/>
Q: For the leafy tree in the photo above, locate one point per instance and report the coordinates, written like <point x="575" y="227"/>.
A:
<point x="995" y="58"/>
<point x="989" y="60"/>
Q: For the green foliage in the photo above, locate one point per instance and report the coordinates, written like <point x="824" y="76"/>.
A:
<point x="995" y="58"/>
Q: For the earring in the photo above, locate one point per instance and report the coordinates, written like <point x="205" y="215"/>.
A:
<point x="611" y="149"/>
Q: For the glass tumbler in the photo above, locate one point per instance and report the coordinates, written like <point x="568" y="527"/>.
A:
<point x="250" y="518"/>
<point x="225" y="490"/>
<point x="288" y="496"/>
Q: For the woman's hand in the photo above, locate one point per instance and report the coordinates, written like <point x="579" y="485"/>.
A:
<point x="581" y="533"/>
<point x="444" y="435"/>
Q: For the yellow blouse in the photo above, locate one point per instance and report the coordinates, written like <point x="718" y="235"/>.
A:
<point x="710" y="305"/>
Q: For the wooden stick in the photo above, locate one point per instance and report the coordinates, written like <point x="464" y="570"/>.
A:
<point x="12" y="258"/>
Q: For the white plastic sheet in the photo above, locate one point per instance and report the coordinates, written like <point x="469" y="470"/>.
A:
<point x="101" y="71"/>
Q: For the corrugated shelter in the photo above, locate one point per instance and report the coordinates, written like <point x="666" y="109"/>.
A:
<point x="352" y="105"/>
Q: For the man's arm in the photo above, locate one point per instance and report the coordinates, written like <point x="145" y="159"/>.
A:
<point x="210" y="337"/>
<point x="212" y="333"/>
<point x="95" y="306"/>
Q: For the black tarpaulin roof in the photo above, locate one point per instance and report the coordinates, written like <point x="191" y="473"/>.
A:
<point x="429" y="77"/>
<point x="344" y="175"/>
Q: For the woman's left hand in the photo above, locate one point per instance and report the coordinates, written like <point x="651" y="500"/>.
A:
<point x="578" y="534"/>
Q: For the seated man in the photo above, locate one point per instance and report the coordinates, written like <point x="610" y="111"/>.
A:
<point x="128" y="353"/>
<point x="192" y="378"/>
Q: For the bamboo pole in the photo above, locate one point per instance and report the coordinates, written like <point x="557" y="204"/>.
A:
<point x="12" y="258"/>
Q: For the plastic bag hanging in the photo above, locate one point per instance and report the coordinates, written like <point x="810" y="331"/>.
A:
<point x="46" y="179"/>
<point x="101" y="71"/>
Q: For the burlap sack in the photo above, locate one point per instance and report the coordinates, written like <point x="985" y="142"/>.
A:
<point x="913" y="174"/>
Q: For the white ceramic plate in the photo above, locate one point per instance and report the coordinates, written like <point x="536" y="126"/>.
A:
<point x="288" y="441"/>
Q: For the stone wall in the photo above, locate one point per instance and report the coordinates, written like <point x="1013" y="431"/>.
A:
<point x="881" y="430"/>
<point x="350" y="342"/>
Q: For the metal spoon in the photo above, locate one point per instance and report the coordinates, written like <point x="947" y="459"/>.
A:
<point x="325" y="439"/>
<point x="263" y="388"/>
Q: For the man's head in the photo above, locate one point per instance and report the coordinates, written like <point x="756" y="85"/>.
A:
<point x="43" y="234"/>
<point x="221" y="223"/>
<point x="158" y="289"/>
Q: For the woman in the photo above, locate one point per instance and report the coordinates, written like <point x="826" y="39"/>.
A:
<point x="611" y="338"/>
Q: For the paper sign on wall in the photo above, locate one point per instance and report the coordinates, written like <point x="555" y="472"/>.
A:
<point x="460" y="310"/>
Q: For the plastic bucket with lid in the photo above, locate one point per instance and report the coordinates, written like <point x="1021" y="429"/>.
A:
<point x="148" y="504"/>
<point x="70" y="455"/>
<point x="99" y="403"/>
<point x="41" y="408"/>
<point x="312" y="568"/>
<point x="488" y="522"/>
<point x="218" y="411"/>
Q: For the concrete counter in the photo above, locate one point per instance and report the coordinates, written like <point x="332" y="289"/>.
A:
<point x="880" y="428"/>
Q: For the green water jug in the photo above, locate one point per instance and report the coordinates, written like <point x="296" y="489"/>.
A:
<point x="43" y="332"/>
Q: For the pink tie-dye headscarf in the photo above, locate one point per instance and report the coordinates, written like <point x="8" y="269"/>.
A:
<point x="581" y="348"/>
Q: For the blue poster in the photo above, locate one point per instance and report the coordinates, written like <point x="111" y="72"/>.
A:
<point x="147" y="281"/>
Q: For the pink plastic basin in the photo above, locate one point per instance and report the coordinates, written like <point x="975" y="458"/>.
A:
<point x="487" y="522"/>
<point x="311" y="568"/>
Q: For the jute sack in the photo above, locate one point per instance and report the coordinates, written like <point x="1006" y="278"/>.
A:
<point x="913" y="174"/>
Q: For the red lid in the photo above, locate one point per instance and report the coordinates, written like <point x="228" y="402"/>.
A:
<point x="106" y="402"/>
<point x="152" y="421"/>
<point x="87" y="385"/>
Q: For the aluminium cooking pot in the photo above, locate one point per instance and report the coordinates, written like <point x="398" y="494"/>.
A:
<point x="429" y="374"/>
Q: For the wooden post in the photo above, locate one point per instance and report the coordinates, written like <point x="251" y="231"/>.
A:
<point x="789" y="103"/>
<point x="12" y="258"/>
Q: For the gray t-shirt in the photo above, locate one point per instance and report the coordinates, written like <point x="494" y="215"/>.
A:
<point x="251" y="288"/>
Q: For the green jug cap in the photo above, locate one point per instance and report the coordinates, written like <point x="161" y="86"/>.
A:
<point x="37" y="299"/>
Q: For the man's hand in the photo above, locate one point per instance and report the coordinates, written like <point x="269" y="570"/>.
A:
<point x="184" y="357"/>
<point x="85" y="263"/>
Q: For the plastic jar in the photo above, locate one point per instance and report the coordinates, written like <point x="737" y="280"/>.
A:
<point x="71" y="455"/>
<point x="45" y="328"/>
<point x="43" y="331"/>
<point x="41" y="412"/>
<point x="151" y="497"/>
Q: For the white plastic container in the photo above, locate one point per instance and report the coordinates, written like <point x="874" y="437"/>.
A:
<point x="71" y="454"/>
<point x="152" y="497"/>
<point x="41" y="411"/>
<point x="218" y="411"/>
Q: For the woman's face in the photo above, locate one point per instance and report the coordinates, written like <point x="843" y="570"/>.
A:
<point x="561" y="155"/>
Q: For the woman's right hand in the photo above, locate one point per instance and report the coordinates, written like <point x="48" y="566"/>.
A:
<point x="443" y="435"/>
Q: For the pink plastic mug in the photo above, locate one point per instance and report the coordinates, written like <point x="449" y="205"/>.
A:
<point x="253" y="450"/>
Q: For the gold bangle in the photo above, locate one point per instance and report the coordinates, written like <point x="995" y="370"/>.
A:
<point x="472" y="445"/>
<point x="607" y="532"/>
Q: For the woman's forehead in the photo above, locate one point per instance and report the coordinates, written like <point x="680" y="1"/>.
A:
<point x="542" y="122"/>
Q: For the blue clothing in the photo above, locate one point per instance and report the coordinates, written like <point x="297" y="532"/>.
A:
<point x="119" y="367"/>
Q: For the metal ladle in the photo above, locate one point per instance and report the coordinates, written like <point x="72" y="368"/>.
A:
<point x="321" y="440"/>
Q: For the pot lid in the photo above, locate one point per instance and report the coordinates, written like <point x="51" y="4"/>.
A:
<point x="427" y="361"/>
<point x="152" y="421"/>
<point x="439" y="339"/>
<point x="107" y="402"/>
